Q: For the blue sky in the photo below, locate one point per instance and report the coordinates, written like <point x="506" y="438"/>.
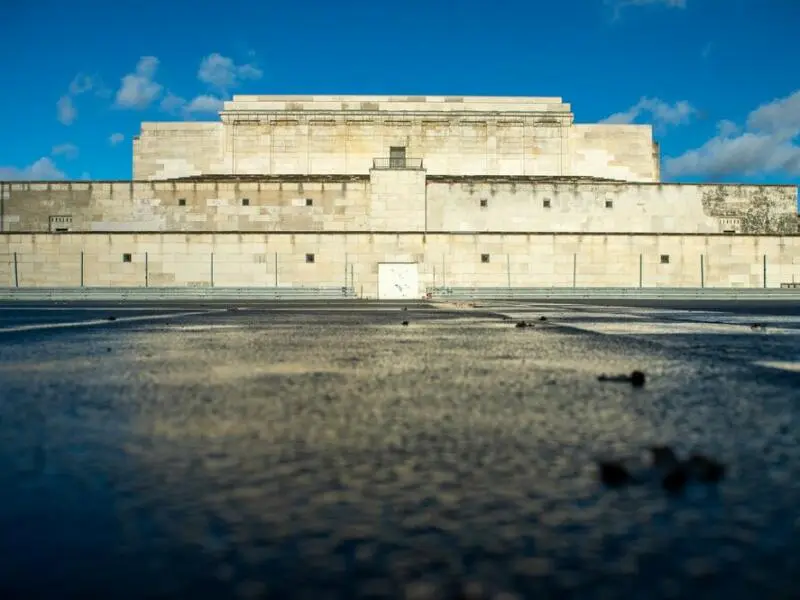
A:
<point x="719" y="79"/>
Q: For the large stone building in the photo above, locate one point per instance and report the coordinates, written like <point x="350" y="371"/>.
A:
<point x="391" y="195"/>
<point x="341" y="135"/>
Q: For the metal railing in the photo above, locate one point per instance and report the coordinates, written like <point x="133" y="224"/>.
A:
<point x="612" y="293"/>
<point x="177" y="293"/>
<point x="396" y="163"/>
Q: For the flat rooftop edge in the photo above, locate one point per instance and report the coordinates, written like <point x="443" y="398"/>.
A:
<point x="398" y="98"/>
<point x="311" y="178"/>
<point x="393" y="232"/>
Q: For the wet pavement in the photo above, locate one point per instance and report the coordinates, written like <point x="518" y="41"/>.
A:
<point x="288" y="451"/>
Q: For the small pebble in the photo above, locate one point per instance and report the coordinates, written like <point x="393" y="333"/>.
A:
<point x="614" y="474"/>
<point x="112" y="318"/>
<point x="521" y="324"/>
<point x="543" y="318"/>
<point x="637" y="379"/>
<point x="405" y="323"/>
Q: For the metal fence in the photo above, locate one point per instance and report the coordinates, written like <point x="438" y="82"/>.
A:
<point x="612" y="293"/>
<point x="175" y="293"/>
<point x="397" y="162"/>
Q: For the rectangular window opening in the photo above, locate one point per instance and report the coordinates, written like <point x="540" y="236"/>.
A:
<point x="546" y="203"/>
<point x="309" y="202"/>
<point x="127" y="258"/>
<point x="484" y="258"/>
<point x="245" y="201"/>
<point x="181" y="201"/>
<point x="397" y="157"/>
<point x="484" y="203"/>
<point x="609" y="204"/>
<point x="310" y="258"/>
<point x="665" y="259"/>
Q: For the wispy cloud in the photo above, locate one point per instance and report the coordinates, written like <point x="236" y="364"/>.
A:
<point x="66" y="110"/>
<point x="69" y="151"/>
<point x="203" y="104"/>
<point x="116" y="138"/>
<point x="222" y="73"/>
<point x="658" y="112"/>
<point x="138" y="90"/>
<point x="43" y="169"/>
<point x="766" y="144"/>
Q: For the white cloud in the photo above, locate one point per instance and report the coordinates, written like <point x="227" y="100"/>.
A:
<point x="42" y="170"/>
<point x="80" y="84"/>
<point x="139" y="89"/>
<point x="115" y="138"/>
<point x="223" y="73"/>
<point x="172" y="103"/>
<point x="767" y="144"/>
<point x="66" y="110"/>
<point x="203" y="104"/>
<point x="661" y="113"/>
<point x="69" y="151"/>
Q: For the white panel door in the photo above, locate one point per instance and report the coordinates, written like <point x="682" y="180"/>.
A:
<point x="398" y="281"/>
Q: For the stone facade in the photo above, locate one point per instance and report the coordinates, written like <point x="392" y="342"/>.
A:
<point x="338" y="135"/>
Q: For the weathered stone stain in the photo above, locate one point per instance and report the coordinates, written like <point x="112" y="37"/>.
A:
<point x="761" y="210"/>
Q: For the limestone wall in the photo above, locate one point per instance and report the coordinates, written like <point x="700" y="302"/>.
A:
<point x="444" y="259"/>
<point x="166" y="150"/>
<point x="624" y="152"/>
<point x="341" y="204"/>
<point x="397" y="200"/>
<point x="607" y="207"/>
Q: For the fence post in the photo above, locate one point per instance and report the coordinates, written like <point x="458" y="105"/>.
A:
<point x="574" y="269"/>
<point x="702" y="271"/>
<point x="146" y="270"/>
<point x="640" y="270"/>
<point x="16" y="271"/>
<point x="81" y="268"/>
<point x="212" y="269"/>
<point x="765" y="270"/>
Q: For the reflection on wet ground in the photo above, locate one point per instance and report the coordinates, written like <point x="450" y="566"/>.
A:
<point x="319" y="455"/>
